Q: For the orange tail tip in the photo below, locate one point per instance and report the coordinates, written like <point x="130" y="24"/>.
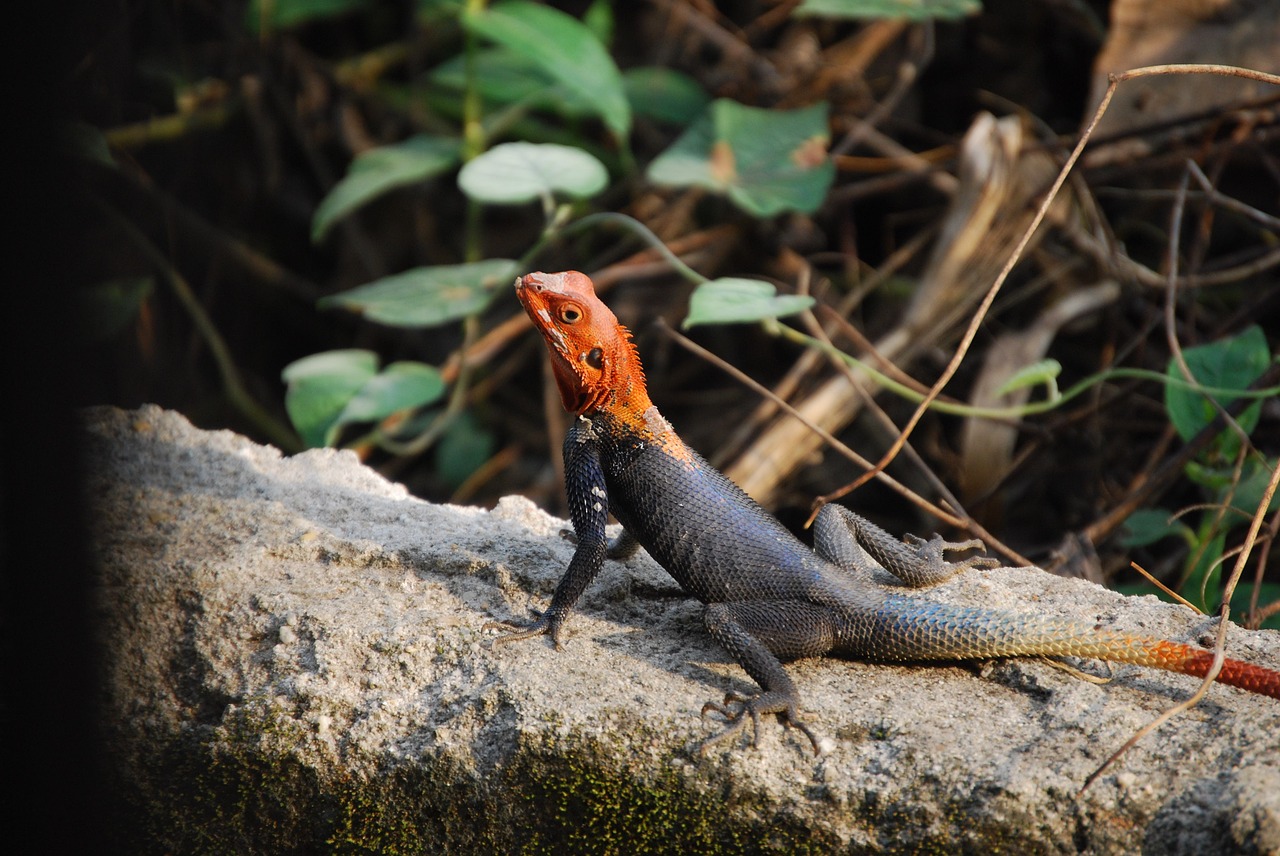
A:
<point x="1176" y="657"/>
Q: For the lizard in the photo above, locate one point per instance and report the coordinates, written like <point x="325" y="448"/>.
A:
<point x="767" y="597"/>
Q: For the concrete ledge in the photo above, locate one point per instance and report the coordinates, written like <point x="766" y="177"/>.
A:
<point x="297" y="665"/>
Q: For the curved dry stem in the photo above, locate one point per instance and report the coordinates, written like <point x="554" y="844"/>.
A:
<point x="989" y="298"/>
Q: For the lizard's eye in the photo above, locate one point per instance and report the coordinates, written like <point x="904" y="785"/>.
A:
<point x="570" y="314"/>
<point x="594" y="358"/>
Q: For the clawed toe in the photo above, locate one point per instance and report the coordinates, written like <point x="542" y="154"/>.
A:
<point x="513" y="632"/>
<point x="735" y="710"/>
<point x="935" y="549"/>
<point x="737" y="721"/>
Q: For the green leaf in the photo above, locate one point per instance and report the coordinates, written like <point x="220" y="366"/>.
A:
<point x="382" y="169"/>
<point x="1232" y="363"/>
<point x="320" y="386"/>
<point x="766" y="161"/>
<point x="1199" y="585"/>
<point x="103" y="310"/>
<point x="463" y="449"/>
<point x="599" y="20"/>
<point x="737" y="301"/>
<point x="505" y="77"/>
<point x="271" y="15"/>
<point x="336" y="388"/>
<point x="1253" y="483"/>
<point x="564" y="48"/>
<point x="912" y="10"/>
<point x="1043" y="373"/>
<point x="427" y="296"/>
<point x="664" y="94"/>
<point x="1268" y="593"/>
<point x="515" y="173"/>
<point x="399" y="386"/>
<point x="1149" y="525"/>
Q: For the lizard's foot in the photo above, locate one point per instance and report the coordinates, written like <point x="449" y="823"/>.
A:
<point x="736" y="707"/>
<point x="932" y="555"/>
<point x="542" y="626"/>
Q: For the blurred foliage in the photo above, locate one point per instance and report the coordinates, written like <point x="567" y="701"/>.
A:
<point x="312" y="211"/>
<point x="1232" y="484"/>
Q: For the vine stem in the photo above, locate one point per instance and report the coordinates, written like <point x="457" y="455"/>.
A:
<point x="989" y="298"/>
<point x="556" y="230"/>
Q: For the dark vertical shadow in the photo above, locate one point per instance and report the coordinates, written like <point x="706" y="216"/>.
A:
<point x="50" y="701"/>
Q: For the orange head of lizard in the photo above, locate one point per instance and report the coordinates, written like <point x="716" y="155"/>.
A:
<point x="592" y="356"/>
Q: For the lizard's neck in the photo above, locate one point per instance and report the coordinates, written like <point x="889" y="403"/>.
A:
<point x="625" y="405"/>
<point x="619" y="393"/>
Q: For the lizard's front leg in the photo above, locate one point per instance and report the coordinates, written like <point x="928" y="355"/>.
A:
<point x="757" y="634"/>
<point x="838" y="532"/>
<point x="589" y="512"/>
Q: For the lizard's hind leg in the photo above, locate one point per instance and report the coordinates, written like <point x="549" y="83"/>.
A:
<point x="757" y="634"/>
<point x="845" y="539"/>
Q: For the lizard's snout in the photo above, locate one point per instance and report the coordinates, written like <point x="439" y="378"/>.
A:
<point x="531" y="281"/>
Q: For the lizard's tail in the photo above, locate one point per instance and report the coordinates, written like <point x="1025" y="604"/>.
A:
<point x="937" y="632"/>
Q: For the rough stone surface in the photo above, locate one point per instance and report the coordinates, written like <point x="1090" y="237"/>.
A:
<point x="298" y="663"/>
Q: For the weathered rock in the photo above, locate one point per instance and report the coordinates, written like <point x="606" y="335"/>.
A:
<point x="298" y="664"/>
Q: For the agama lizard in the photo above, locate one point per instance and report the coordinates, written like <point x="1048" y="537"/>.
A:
<point x="768" y="598"/>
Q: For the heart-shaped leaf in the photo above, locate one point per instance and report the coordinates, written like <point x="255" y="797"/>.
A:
<point x="766" y="161"/>
<point x="379" y="170"/>
<point x="1232" y="363"/>
<point x="397" y="387"/>
<point x="320" y="387"/>
<point x="1149" y="525"/>
<point x="427" y="296"/>
<point x="564" y="48"/>
<point x="515" y="173"/>
<point x="503" y="77"/>
<point x="335" y="388"/>
<point x="730" y="300"/>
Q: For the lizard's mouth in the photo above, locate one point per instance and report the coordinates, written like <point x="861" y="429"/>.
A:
<point x="529" y="291"/>
<point x="531" y="283"/>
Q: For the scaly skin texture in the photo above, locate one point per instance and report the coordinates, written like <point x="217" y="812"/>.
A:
<point x="769" y="599"/>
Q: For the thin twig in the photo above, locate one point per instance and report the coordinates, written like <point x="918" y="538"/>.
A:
<point x="1151" y="578"/>
<point x="886" y="422"/>
<point x="1254" y="618"/>
<point x="989" y="298"/>
<point x="908" y="73"/>
<point x="1219" y="647"/>
<point x="942" y="514"/>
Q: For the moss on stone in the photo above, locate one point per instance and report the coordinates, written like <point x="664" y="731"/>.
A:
<point x="242" y="787"/>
